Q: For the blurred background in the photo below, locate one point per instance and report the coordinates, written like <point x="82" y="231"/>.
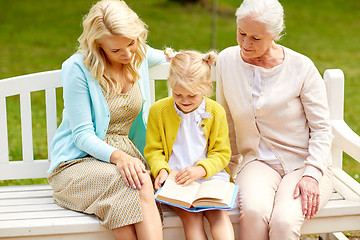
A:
<point x="39" y="37"/>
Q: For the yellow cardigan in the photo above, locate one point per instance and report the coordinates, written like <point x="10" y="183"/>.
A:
<point x="162" y="128"/>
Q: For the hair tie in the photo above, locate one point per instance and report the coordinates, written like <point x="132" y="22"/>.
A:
<point x="169" y="53"/>
<point x="208" y="59"/>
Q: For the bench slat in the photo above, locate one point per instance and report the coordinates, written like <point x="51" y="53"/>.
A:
<point x="30" y="83"/>
<point x="24" y="170"/>
<point x="344" y="190"/>
<point x="26" y="201"/>
<point x="20" y="188"/>
<point x="85" y="223"/>
<point x="26" y="127"/>
<point x="39" y="215"/>
<point x="340" y="208"/>
<point x="4" y="146"/>
<point x="325" y="225"/>
<point x="348" y="182"/>
<point x="26" y="194"/>
<point x="336" y="196"/>
<point x="29" y="208"/>
<point x="51" y="115"/>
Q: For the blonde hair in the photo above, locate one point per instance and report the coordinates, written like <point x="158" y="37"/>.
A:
<point x="191" y="70"/>
<point x="107" y="18"/>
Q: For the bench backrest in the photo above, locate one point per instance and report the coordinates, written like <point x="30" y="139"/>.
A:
<point x="28" y="167"/>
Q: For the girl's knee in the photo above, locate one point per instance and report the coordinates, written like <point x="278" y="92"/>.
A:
<point x="217" y="215"/>
<point x="191" y="219"/>
<point x="220" y="224"/>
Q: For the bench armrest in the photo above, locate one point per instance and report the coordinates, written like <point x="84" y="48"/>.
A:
<point x="346" y="139"/>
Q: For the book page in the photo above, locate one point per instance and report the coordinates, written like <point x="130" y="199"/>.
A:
<point x="215" y="193"/>
<point x="171" y="190"/>
<point x="213" y="189"/>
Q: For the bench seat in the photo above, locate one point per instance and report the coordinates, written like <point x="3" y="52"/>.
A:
<point x="29" y="211"/>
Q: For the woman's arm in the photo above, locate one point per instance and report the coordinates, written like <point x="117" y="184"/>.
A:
<point x="77" y="104"/>
<point x="220" y="98"/>
<point x="314" y="100"/>
<point x="155" y="56"/>
<point x="80" y="110"/>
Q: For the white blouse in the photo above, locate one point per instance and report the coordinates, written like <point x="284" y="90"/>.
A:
<point x="191" y="144"/>
<point x="265" y="154"/>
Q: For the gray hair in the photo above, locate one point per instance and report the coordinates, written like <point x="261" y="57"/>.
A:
<point x="269" y="12"/>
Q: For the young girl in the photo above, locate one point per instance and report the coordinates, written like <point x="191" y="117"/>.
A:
<point x="188" y="133"/>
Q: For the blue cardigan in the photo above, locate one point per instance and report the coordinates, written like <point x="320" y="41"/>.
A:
<point x="86" y="114"/>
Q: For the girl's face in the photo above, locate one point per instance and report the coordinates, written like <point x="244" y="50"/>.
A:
<point x="253" y="38"/>
<point x="118" y="50"/>
<point x="187" y="101"/>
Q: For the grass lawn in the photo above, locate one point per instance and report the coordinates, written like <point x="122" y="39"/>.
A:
<point x="39" y="38"/>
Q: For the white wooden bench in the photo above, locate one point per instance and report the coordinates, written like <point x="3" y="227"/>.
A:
<point x="28" y="211"/>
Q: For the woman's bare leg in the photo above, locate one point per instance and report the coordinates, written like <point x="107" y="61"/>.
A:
<point x="150" y="228"/>
<point x="220" y="224"/>
<point x="125" y="233"/>
<point x="193" y="224"/>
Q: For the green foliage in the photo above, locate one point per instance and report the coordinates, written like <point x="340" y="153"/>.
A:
<point x="39" y="37"/>
<point x="184" y="1"/>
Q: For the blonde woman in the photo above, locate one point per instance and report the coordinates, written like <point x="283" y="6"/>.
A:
<point x="188" y="133"/>
<point x="97" y="166"/>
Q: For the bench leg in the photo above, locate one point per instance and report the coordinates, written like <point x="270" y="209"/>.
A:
<point x="333" y="236"/>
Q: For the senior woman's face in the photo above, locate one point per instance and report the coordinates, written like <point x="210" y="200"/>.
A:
<point x="253" y="38"/>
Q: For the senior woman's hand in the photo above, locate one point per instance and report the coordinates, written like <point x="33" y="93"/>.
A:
<point x="130" y="168"/>
<point x="308" y="189"/>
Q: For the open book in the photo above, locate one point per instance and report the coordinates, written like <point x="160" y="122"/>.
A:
<point x="212" y="194"/>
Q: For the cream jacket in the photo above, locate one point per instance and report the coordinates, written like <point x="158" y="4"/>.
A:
<point x="292" y="111"/>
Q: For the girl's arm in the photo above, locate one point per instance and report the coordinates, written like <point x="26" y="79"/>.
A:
<point x="219" y="152"/>
<point x="154" y="150"/>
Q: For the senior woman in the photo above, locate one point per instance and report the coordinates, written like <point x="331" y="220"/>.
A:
<point x="279" y="125"/>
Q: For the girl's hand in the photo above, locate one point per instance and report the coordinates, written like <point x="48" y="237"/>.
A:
<point x="161" y="178"/>
<point x="190" y="174"/>
<point x="130" y="168"/>
<point x="308" y="188"/>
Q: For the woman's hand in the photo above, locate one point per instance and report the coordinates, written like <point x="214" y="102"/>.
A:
<point x="190" y="174"/>
<point x="308" y="188"/>
<point x="161" y="178"/>
<point x="130" y="168"/>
